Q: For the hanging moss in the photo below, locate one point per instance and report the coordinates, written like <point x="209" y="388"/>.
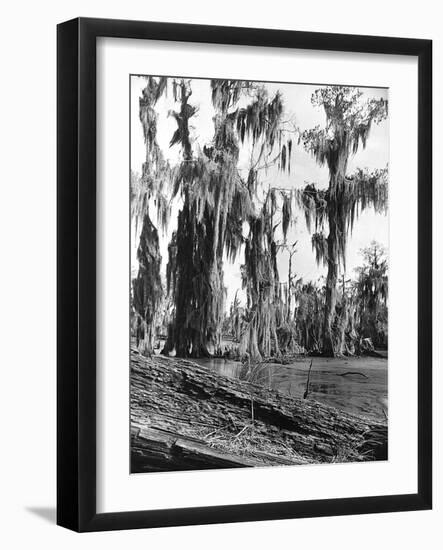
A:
<point x="216" y="202"/>
<point x="147" y="286"/>
<point x="261" y="281"/>
<point x="348" y="123"/>
<point x="286" y="215"/>
<point x="372" y="289"/>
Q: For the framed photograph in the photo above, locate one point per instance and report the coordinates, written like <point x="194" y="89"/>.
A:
<point x="244" y="274"/>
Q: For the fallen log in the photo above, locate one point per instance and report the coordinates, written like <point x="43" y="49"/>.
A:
<point x="154" y="448"/>
<point x="184" y="416"/>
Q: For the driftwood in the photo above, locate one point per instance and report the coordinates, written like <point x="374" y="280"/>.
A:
<point x="183" y="416"/>
<point x="352" y="373"/>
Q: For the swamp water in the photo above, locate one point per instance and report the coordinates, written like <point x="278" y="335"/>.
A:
<point x="355" y="385"/>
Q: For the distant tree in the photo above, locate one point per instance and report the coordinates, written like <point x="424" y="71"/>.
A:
<point x="372" y="294"/>
<point x="310" y="306"/>
<point x="235" y="318"/>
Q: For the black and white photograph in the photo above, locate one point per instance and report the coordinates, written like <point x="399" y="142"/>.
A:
<point x="259" y="273"/>
<point x="222" y="264"/>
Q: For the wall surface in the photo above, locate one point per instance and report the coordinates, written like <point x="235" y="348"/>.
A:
<point x="27" y="233"/>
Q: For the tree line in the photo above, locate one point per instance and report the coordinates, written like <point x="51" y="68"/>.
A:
<point x="218" y="201"/>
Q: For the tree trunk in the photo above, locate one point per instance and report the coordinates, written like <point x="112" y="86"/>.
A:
<point x="170" y="340"/>
<point x="337" y="231"/>
<point x="147" y="287"/>
<point x="331" y="293"/>
<point x="249" y="342"/>
<point x="199" y="285"/>
<point x="288" y="314"/>
<point x="342" y="326"/>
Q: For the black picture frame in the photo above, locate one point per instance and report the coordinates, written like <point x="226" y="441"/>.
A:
<point x="76" y="274"/>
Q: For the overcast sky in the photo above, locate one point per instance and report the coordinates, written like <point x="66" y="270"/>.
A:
<point x="297" y="105"/>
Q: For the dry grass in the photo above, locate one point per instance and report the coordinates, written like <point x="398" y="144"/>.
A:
<point x="251" y="440"/>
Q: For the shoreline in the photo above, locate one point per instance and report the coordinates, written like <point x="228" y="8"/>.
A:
<point x="183" y="416"/>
